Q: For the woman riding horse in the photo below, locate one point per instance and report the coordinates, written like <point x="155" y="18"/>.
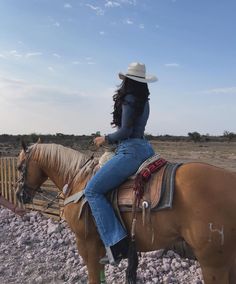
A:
<point x="130" y="115"/>
<point x="204" y="202"/>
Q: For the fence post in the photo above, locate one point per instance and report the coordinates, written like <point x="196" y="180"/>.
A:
<point x="5" y="195"/>
<point x="1" y="177"/>
<point x="14" y="180"/>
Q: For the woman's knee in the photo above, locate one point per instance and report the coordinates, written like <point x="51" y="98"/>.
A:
<point x="91" y="191"/>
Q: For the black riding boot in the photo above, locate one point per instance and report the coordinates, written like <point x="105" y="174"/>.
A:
<point x="115" y="253"/>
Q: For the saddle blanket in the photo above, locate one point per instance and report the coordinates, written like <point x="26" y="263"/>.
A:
<point x="158" y="193"/>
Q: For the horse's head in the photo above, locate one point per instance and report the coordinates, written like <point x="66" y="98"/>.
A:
<point x="31" y="176"/>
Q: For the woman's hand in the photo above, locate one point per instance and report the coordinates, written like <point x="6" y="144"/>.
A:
<point x="99" y="141"/>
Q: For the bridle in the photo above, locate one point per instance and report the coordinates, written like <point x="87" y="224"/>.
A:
<point x="25" y="191"/>
<point x="28" y="192"/>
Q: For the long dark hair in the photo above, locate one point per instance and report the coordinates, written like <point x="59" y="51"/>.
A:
<point x="129" y="86"/>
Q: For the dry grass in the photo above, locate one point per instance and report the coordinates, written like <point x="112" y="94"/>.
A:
<point x="222" y="154"/>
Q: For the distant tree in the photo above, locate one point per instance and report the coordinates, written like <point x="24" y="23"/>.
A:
<point x="206" y="137"/>
<point x="195" y="136"/>
<point x="229" y="135"/>
<point x="33" y="137"/>
<point x="96" y="134"/>
<point x="60" y="134"/>
<point x="149" y="136"/>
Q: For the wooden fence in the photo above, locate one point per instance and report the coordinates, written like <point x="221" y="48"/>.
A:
<point x="8" y="180"/>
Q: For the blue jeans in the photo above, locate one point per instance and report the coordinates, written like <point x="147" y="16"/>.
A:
<point x="129" y="155"/>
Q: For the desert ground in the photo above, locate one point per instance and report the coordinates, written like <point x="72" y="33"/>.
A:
<point x="221" y="154"/>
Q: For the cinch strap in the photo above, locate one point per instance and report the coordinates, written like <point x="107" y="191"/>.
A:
<point x="74" y="198"/>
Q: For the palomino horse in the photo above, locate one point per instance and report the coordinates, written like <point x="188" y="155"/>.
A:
<point x="203" y="213"/>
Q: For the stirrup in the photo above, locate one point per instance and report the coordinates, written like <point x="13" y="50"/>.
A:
<point x="105" y="260"/>
<point x="110" y="257"/>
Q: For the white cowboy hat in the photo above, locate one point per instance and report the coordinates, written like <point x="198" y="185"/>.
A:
<point x="137" y="71"/>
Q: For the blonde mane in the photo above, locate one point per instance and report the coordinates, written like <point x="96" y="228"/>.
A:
<point x="68" y="163"/>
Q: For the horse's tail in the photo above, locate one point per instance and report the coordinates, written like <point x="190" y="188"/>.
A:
<point x="131" y="272"/>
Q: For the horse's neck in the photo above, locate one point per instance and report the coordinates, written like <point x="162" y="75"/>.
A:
<point x="53" y="169"/>
<point x="52" y="172"/>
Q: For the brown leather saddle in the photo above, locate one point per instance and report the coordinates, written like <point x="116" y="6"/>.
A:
<point x="158" y="193"/>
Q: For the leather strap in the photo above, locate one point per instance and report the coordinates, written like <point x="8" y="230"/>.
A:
<point x="74" y="198"/>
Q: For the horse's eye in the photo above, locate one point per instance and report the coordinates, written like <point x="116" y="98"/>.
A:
<point x="19" y="168"/>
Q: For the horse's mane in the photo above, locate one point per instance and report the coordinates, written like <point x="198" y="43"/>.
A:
<point x="67" y="162"/>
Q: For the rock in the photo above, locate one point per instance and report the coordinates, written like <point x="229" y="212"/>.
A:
<point x="166" y="267"/>
<point x="52" y="228"/>
<point x="39" y="280"/>
<point x="184" y="264"/>
<point x="60" y="241"/>
<point x="44" y="251"/>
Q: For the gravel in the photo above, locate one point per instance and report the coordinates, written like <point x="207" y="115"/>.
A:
<point x="37" y="250"/>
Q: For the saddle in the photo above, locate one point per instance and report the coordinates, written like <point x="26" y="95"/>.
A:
<point x="157" y="194"/>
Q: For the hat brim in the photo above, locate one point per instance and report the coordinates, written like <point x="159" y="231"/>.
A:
<point x="147" y="79"/>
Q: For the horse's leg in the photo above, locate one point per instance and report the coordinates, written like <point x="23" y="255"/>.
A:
<point x="91" y="251"/>
<point x="215" y="275"/>
<point x="232" y="273"/>
<point x="215" y="264"/>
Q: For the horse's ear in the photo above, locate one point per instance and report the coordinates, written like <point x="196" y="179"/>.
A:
<point x="23" y="145"/>
<point x="39" y="141"/>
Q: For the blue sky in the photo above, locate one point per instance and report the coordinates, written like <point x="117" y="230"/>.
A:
<point x="59" y="62"/>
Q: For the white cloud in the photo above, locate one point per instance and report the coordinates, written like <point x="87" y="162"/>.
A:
<point x="141" y="26"/>
<point x="128" y="22"/>
<point x="4" y="81"/>
<point x="112" y="4"/>
<point x="53" y="22"/>
<point x="51" y="69"/>
<point x="99" y="11"/>
<point x="226" y="90"/>
<point x="52" y="109"/>
<point x="56" y="55"/>
<point x="87" y="60"/>
<point x="90" y="61"/>
<point x="32" y="54"/>
<point x="16" y="91"/>
<point x="56" y="24"/>
<point x="119" y="3"/>
<point x="101" y="32"/>
<point x="67" y="5"/>
<point x="15" y="54"/>
<point x="130" y="2"/>
<point x="76" y="62"/>
<point x="172" y="65"/>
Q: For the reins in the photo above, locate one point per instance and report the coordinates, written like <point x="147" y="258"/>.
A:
<point x="67" y="187"/>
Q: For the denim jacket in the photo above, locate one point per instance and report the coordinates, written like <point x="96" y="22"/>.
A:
<point x="126" y="131"/>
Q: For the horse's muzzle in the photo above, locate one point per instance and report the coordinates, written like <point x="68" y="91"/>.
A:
<point x="23" y="195"/>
